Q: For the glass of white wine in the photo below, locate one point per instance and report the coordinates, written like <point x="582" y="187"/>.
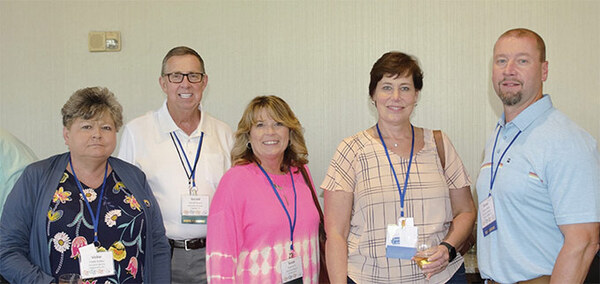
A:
<point x="426" y="247"/>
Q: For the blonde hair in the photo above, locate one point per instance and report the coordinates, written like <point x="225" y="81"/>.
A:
<point x="295" y="154"/>
<point x="521" y="33"/>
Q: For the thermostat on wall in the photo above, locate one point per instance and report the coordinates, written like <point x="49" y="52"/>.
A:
<point x="104" y="41"/>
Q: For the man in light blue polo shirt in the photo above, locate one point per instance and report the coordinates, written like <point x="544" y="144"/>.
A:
<point x="14" y="156"/>
<point x="539" y="183"/>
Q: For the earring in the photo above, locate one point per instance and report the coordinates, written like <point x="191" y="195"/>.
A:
<point x="373" y="102"/>
<point x="248" y="145"/>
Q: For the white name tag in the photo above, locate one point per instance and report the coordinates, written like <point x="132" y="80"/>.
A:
<point x="401" y="240"/>
<point x="194" y="209"/>
<point x="291" y="269"/>
<point x="93" y="264"/>
<point x="488" y="216"/>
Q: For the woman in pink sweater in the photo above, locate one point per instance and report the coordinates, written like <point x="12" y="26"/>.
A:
<point x="263" y="225"/>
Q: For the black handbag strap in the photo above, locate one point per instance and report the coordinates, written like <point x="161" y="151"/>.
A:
<point x="312" y="191"/>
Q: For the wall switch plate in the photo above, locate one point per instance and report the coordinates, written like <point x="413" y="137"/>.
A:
<point x="104" y="41"/>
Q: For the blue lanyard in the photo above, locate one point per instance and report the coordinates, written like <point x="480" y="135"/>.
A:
<point x="292" y="225"/>
<point x="192" y="175"/>
<point x="96" y="217"/>
<point x="495" y="172"/>
<point x="412" y="148"/>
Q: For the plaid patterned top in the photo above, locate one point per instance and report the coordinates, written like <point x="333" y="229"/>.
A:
<point x="360" y="166"/>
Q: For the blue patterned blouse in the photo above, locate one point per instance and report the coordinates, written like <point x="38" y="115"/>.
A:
<point x="120" y="229"/>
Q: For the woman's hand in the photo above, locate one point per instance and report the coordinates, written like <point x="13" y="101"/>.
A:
<point x="437" y="262"/>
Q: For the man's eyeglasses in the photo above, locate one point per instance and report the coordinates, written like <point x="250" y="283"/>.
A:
<point x="178" y="77"/>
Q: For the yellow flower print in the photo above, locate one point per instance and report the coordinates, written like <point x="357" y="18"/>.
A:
<point x="120" y="185"/>
<point x="54" y="215"/>
<point x="118" y="250"/>
<point x="130" y="199"/>
<point x="61" y="195"/>
<point x="64" y="178"/>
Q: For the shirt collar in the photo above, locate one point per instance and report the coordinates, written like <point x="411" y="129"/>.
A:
<point x="168" y="125"/>
<point x="530" y="114"/>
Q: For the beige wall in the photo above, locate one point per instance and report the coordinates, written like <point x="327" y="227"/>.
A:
<point x="314" y="54"/>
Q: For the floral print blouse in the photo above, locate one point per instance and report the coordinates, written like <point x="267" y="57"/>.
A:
<point x="121" y="228"/>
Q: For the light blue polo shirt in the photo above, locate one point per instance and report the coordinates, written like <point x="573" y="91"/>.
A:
<point x="14" y="156"/>
<point x="550" y="176"/>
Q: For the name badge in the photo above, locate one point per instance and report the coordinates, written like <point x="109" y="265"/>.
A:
<point x="401" y="240"/>
<point x="488" y="216"/>
<point x="194" y="209"/>
<point x="94" y="264"/>
<point x="291" y="269"/>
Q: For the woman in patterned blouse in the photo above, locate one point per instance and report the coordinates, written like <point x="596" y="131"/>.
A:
<point x="84" y="199"/>
<point x="389" y="172"/>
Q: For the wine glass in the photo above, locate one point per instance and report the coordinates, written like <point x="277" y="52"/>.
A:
<point x="69" y="278"/>
<point x="426" y="247"/>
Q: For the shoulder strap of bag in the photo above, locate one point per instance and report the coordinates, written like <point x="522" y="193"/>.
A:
<point x="439" y="144"/>
<point x="312" y="191"/>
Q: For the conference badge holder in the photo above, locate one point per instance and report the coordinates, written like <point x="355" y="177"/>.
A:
<point x="94" y="264"/>
<point x="194" y="209"/>
<point x="291" y="270"/>
<point x="401" y="239"/>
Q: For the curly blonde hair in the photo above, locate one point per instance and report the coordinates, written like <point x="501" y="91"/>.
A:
<point x="295" y="154"/>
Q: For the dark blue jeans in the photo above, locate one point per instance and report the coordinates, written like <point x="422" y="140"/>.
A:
<point x="460" y="277"/>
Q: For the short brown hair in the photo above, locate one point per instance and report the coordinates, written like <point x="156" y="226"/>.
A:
<point x="522" y="32"/>
<point x="180" y="51"/>
<point x="295" y="154"/>
<point x="90" y="103"/>
<point x="395" y="63"/>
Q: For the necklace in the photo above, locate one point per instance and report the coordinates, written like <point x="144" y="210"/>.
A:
<point x="280" y="188"/>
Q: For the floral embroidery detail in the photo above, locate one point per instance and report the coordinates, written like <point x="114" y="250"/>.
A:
<point x="111" y="217"/>
<point x="62" y="242"/>
<point x="61" y="195"/>
<point x="89" y="282"/>
<point x="132" y="268"/>
<point x="77" y="243"/>
<point x="120" y="185"/>
<point x="130" y="199"/>
<point x="90" y="194"/>
<point x="147" y="202"/>
<point x="64" y="178"/>
<point x="54" y="215"/>
<point x="118" y="250"/>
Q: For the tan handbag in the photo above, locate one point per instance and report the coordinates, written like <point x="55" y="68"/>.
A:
<point x="439" y="144"/>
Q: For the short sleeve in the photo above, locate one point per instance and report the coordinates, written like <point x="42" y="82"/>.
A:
<point x="341" y="175"/>
<point x="455" y="172"/>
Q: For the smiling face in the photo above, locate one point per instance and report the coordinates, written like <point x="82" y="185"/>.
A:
<point x="269" y="138"/>
<point x="518" y="72"/>
<point x="395" y="99"/>
<point x="91" y="139"/>
<point x="184" y="96"/>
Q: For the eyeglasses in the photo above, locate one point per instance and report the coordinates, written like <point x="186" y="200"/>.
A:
<point x="178" y="77"/>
